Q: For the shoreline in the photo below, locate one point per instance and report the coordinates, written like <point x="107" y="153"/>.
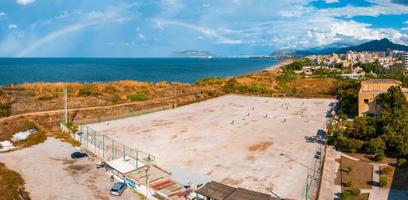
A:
<point x="271" y="68"/>
<point x="279" y="65"/>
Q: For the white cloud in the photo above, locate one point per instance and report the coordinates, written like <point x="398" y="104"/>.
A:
<point x="332" y="1"/>
<point x="92" y="19"/>
<point x="220" y="35"/>
<point x="2" y="14"/>
<point x="141" y="36"/>
<point x="25" y="2"/>
<point x="12" y="26"/>
<point x="380" y="8"/>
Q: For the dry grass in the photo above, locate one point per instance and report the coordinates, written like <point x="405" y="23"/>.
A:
<point x="11" y="185"/>
<point x="260" y="146"/>
<point x="10" y="127"/>
<point x="360" y="175"/>
<point x="388" y="172"/>
<point x="312" y="88"/>
<point x="398" y="179"/>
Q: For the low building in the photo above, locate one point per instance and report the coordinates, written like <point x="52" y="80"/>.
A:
<point x="369" y="100"/>
<point x="404" y="59"/>
<point x="218" y="191"/>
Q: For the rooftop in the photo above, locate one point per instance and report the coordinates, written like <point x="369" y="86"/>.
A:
<point x="219" y="191"/>
<point x="244" y="194"/>
<point x="216" y="190"/>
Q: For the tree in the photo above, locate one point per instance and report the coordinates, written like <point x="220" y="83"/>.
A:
<point x="393" y="100"/>
<point x="375" y="146"/>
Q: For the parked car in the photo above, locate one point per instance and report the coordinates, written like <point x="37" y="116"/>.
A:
<point x="100" y="165"/>
<point x="78" y="154"/>
<point x="118" y="188"/>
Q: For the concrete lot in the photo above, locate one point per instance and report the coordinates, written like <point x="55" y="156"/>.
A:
<point x="51" y="174"/>
<point x="250" y="142"/>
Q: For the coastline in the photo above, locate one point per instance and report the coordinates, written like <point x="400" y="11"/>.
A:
<point x="278" y="66"/>
<point x="268" y="67"/>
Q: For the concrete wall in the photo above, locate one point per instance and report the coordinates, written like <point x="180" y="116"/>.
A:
<point x="371" y="92"/>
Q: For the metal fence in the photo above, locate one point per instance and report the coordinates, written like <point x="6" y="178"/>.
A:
<point x="314" y="175"/>
<point x="125" y="115"/>
<point x="107" y="148"/>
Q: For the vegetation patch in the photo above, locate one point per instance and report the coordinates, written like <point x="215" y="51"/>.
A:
<point x="211" y="81"/>
<point x="5" y="109"/>
<point x="11" y="185"/>
<point x="359" y="177"/>
<point x="137" y="97"/>
<point x="377" y="136"/>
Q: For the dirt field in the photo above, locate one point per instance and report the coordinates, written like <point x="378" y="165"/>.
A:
<point x="251" y="142"/>
<point x="51" y="174"/>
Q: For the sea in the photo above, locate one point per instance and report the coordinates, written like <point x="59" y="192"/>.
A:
<point x="86" y="70"/>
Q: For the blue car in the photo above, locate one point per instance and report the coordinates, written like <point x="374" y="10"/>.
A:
<point x="78" y="154"/>
<point x="118" y="188"/>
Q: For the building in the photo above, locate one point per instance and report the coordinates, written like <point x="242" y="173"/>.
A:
<point x="369" y="100"/>
<point x="404" y="59"/>
<point x="218" y="191"/>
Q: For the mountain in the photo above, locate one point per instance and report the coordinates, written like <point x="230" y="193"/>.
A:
<point x="193" y="53"/>
<point x="375" y="45"/>
<point x="288" y="52"/>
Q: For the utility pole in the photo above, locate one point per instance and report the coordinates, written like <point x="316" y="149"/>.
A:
<point x="270" y="190"/>
<point x="66" y="105"/>
<point x="147" y="181"/>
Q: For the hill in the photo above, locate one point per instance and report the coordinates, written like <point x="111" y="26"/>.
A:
<point x="193" y="53"/>
<point x="375" y="45"/>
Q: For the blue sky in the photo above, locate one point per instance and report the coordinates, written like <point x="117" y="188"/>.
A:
<point x="156" y="28"/>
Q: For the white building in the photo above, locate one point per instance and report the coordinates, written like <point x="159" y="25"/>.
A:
<point x="404" y="59"/>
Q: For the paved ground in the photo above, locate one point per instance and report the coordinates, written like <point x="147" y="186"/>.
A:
<point x="329" y="190"/>
<point x="251" y="142"/>
<point x="50" y="173"/>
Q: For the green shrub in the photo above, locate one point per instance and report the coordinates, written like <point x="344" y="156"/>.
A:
<point x="115" y="99"/>
<point x="378" y="156"/>
<point x="401" y="162"/>
<point x="71" y="126"/>
<point x="342" y="117"/>
<point x="5" y="109"/>
<point x="383" y="181"/>
<point x="375" y="146"/>
<point x="286" y="77"/>
<point x="351" y="145"/>
<point x="137" y="97"/>
<point x="346" y="195"/>
<point x="254" y="89"/>
<point x="348" y="184"/>
<point x="355" y="191"/>
<point x="211" y="81"/>
<point x="86" y="91"/>
<point x="231" y="85"/>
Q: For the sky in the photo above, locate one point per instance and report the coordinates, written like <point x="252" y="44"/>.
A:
<point x="158" y="28"/>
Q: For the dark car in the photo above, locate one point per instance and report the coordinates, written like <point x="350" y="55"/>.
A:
<point x="78" y="154"/>
<point x="118" y="188"/>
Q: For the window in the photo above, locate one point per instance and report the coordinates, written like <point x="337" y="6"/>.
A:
<point x="365" y="101"/>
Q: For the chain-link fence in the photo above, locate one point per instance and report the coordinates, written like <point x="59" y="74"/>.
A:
<point x="107" y="148"/>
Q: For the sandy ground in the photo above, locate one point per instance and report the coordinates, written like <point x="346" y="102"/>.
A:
<point x="250" y="142"/>
<point x="51" y="174"/>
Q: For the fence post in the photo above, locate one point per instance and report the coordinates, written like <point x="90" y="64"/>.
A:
<point x="103" y="146"/>
<point x="94" y="141"/>
<point x="87" y="136"/>
<point x="137" y="157"/>
<point x="113" y="149"/>
<point x="124" y="152"/>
